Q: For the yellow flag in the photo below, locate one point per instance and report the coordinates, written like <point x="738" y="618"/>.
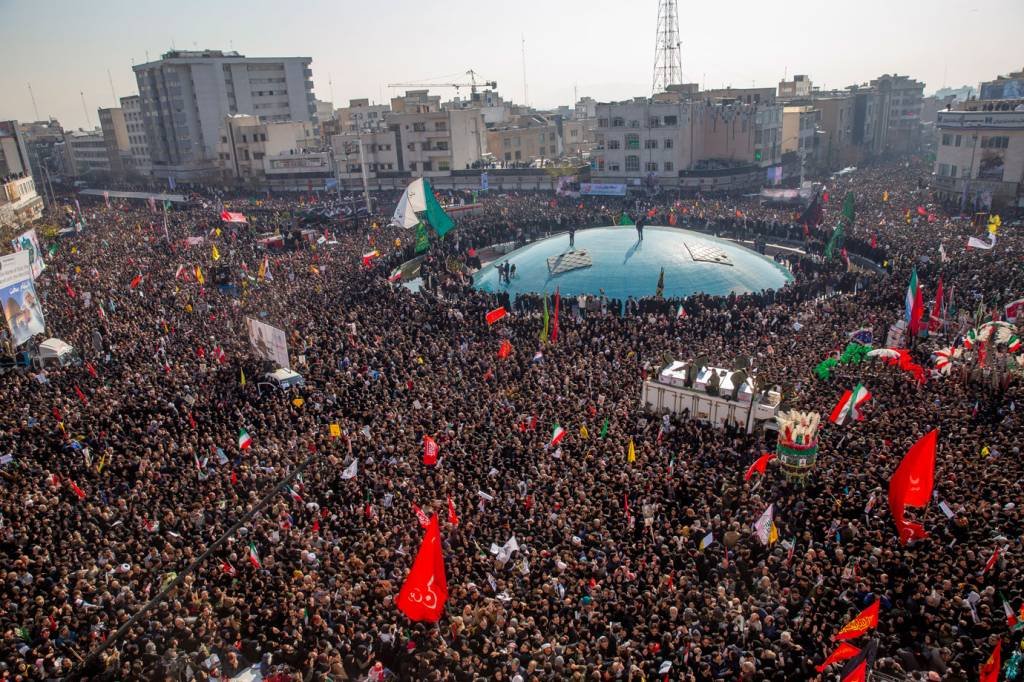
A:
<point x="216" y="231"/>
<point x="298" y="402"/>
<point x="985" y="451"/>
<point x="631" y="455"/>
<point x="584" y="434"/>
<point x="262" y="271"/>
<point x="74" y="249"/>
<point x="335" y="431"/>
<point x="314" y="269"/>
<point x="199" y="276"/>
<point x="241" y="379"/>
<point x="885" y="195"/>
<point x="215" y="253"/>
<point x="773" y="534"/>
<point x="103" y="461"/>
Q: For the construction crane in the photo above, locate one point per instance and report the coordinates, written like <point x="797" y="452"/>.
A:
<point x="472" y="84"/>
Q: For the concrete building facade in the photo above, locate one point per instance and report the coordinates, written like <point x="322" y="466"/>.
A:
<point x="138" y="148"/>
<point x="249" y="147"/>
<point x="437" y="142"/>
<point x="361" y="115"/>
<point x="898" y="114"/>
<point x="416" y="102"/>
<point x="979" y="160"/>
<point x="800" y="86"/>
<point x="528" y="139"/>
<point x="86" y="154"/>
<point x="115" y="137"/>
<point x="380" y="153"/>
<point x="186" y="95"/>
<point x="835" y="148"/>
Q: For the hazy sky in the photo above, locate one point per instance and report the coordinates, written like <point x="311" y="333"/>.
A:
<point x="603" y="48"/>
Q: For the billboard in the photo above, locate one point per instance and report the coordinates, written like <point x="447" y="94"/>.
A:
<point x="1004" y="88"/>
<point x="270" y="343"/>
<point x="22" y="310"/>
<point x="30" y="242"/>
<point x="603" y="189"/>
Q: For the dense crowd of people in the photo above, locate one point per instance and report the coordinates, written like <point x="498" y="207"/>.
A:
<point x="127" y="469"/>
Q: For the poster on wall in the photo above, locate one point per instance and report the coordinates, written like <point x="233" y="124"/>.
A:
<point x="604" y="189"/>
<point x="29" y="242"/>
<point x="485" y="182"/>
<point x="22" y="309"/>
<point x="270" y="343"/>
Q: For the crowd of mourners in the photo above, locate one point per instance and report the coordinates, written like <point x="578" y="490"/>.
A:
<point x="126" y="469"/>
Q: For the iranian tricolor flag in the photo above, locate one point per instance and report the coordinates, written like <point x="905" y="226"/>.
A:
<point x="244" y="441"/>
<point x="254" y="558"/>
<point x="848" y="407"/>
<point x="556" y="436"/>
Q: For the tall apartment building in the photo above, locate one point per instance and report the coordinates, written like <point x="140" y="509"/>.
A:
<point x="115" y="137"/>
<point x="578" y="136"/>
<point x="437" y="142"/>
<point x="186" y="95"/>
<point x="138" y="148"/>
<point x="14" y="160"/>
<point x="45" y="143"/>
<point x="257" y="153"/>
<point x="898" y="107"/>
<point x="835" y="149"/>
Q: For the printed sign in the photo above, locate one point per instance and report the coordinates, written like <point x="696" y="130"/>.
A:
<point x="22" y="309"/>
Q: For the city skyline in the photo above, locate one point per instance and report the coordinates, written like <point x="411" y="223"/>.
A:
<point x="82" y="44"/>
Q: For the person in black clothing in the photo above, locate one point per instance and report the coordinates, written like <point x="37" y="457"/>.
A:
<point x="640" y="227"/>
<point x="572" y="236"/>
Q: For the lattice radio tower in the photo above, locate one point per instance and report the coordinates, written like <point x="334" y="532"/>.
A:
<point x="668" y="60"/>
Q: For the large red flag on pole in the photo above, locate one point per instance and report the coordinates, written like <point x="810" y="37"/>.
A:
<point x="865" y="620"/>
<point x="430" y="449"/>
<point x="425" y="590"/>
<point x="990" y="669"/>
<point x="911" y="485"/>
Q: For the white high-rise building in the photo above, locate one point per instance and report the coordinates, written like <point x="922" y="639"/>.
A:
<point x="186" y="95"/>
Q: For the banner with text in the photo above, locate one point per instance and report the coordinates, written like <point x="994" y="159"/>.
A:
<point x="602" y="189"/>
<point x="22" y="309"/>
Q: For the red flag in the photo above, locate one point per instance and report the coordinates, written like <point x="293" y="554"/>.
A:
<point x="76" y="490"/>
<point x="191" y="420"/>
<point x="874" y="241"/>
<point x="922" y="211"/>
<point x="136" y="281"/>
<point x="824" y="197"/>
<point x="911" y="485"/>
<point x="856" y="669"/>
<point x="935" y="319"/>
<point x="842" y="652"/>
<point x="505" y="350"/>
<point x="56" y="414"/>
<point x="990" y="669"/>
<point x="420" y="516"/>
<point x="430" y="449"/>
<point x="917" y="311"/>
<point x="495" y="315"/>
<point x="760" y="465"/>
<point x="227" y="568"/>
<point x="234" y="478"/>
<point x="554" y="324"/>
<point x="992" y="560"/>
<point x="67" y="288"/>
<point x="316" y="524"/>
<point x="92" y="370"/>
<point x="672" y="219"/>
<point x="425" y="590"/>
<point x="865" y="620"/>
<point x="452" y="518"/>
<point x="81" y="396"/>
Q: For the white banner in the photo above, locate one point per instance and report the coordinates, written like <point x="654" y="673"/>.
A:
<point x="603" y="189"/>
<point x="270" y="343"/>
<point x="29" y="242"/>
<point x="22" y="310"/>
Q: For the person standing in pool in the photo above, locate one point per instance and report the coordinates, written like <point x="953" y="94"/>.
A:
<point x="640" y="227"/>
<point x="572" y="236"/>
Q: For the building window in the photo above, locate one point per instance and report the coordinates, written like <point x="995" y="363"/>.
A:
<point x="602" y="123"/>
<point x="943" y="170"/>
<point x="419" y="127"/>
<point x="669" y="166"/>
<point x="618" y="122"/>
<point x="952" y="171"/>
<point x="443" y="165"/>
<point x="573" y="132"/>
<point x="614" y="144"/>
<point x="634" y="123"/>
<point x="668" y="143"/>
<point x="442" y="145"/>
<point x="506" y="142"/>
<point x="613" y="167"/>
<point x="427" y="166"/>
<point x="671" y="120"/>
<point x="653" y="122"/>
<point x="650" y="144"/>
<point x="519" y="156"/>
<point x="651" y="166"/>
<point x="441" y="126"/>
<point x="632" y="163"/>
<point x="957" y="141"/>
<point x="508" y="156"/>
<point x="632" y="141"/>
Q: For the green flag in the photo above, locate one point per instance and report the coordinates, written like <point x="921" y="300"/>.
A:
<point x="835" y="240"/>
<point x="604" y="428"/>
<point x="439" y="220"/>
<point x="167" y="205"/>
<point x="53" y="250"/>
<point x="848" y="209"/>
<point x="544" y="331"/>
<point x="624" y="219"/>
<point x="422" y="238"/>
<point x="659" y="292"/>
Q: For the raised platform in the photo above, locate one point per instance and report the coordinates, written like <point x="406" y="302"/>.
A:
<point x="621" y="266"/>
